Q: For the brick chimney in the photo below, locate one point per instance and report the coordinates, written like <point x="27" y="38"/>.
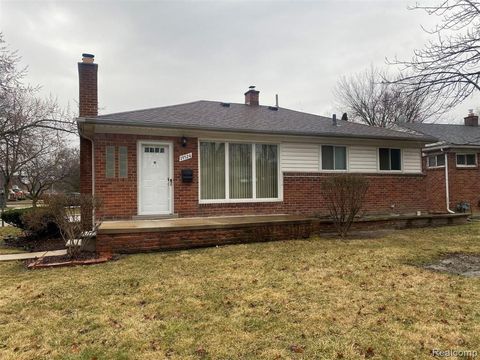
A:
<point x="88" y="95"/>
<point x="471" y="119"/>
<point x="251" y="96"/>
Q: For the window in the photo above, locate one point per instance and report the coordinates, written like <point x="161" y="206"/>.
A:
<point x="436" y="161"/>
<point x="334" y="157"/>
<point x="122" y="162"/>
<point x="238" y="171"/>
<point x="212" y="170"/>
<point x="240" y="165"/>
<point x="390" y="159"/>
<point x="466" y="159"/>
<point x="110" y="161"/>
<point x="266" y="158"/>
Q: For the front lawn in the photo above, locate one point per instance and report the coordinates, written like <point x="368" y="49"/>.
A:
<point x="313" y="299"/>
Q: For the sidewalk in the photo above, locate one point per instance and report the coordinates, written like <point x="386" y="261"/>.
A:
<point x="32" y="255"/>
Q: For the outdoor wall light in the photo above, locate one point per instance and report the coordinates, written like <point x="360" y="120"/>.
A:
<point x="184" y="141"/>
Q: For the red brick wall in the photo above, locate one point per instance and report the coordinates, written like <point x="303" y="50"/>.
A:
<point x="464" y="185"/>
<point x="302" y="191"/>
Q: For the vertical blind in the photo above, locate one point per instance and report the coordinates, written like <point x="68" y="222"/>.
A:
<point x="240" y="165"/>
<point x="266" y="171"/>
<point x="252" y="171"/>
<point x="212" y="170"/>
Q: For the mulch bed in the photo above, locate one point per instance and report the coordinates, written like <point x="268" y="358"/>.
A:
<point x="33" y="244"/>
<point x="84" y="258"/>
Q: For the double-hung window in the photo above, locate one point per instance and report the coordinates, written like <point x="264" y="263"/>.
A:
<point x="390" y="159"/>
<point x="334" y="157"/>
<point x="238" y="171"/>
<point x="466" y="160"/>
<point x="436" y="161"/>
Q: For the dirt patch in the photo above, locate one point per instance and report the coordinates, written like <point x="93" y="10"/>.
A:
<point x="457" y="263"/>
<point x="360" y="234"/>
<point x="30" y="243"/>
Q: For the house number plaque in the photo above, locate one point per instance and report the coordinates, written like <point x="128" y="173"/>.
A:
<point x="185" y="157"/>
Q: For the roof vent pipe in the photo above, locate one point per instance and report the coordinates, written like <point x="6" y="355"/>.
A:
<point x="276" y="100"/>
<point x="334" y="119"/>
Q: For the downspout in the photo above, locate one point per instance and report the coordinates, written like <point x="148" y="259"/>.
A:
<point x="447" y="190"/>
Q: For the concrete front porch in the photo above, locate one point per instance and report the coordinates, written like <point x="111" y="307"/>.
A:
<point x="129" y="236"/>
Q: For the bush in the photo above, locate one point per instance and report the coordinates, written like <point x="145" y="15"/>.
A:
<point x="14" y="217"/>
<point x="67" y="210"/>
<point x="344" y="195"/>
<point x="39" y="221"/>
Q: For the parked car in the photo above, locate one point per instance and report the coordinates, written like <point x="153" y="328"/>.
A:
<point x="18" y="194"/>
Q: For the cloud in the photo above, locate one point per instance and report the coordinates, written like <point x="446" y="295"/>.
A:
<point x="160" y="53"/>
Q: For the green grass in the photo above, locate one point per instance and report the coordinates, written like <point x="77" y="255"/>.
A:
<point x="326" y="299"/>
<point x="4" y="231"/>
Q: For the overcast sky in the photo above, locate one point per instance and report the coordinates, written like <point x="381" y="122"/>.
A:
<point x="161" y="52"/>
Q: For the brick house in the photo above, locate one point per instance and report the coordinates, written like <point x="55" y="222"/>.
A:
<point x="208" y="158"/>
<point x="451" y="164"/>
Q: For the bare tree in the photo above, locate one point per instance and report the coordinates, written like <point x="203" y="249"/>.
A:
<point x="344" y="196"/>
<point x="24" y="117"/>
<point x="448" y="67"/>
<point x="368" y="99"/>
<point x="49" y="167"/>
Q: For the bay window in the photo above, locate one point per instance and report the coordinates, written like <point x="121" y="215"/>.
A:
<point x="238" y="171"/>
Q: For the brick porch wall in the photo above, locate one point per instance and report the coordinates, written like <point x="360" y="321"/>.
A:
<point x="302" y="191"/>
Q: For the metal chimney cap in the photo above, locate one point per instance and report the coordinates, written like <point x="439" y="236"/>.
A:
<point x="251" y="87"/>
<point x="86" y="55"/>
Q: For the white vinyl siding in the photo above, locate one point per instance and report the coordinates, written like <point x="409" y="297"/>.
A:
<point x="296" y="157"/>
<point x="412" y="160"/>
<point x="362" y="159"/>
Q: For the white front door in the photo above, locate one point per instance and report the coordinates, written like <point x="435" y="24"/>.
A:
<point x="155" y="179"/>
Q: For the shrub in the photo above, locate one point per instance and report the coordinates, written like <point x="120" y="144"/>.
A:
<point x="38" y="221"/>
<point x="14" y="217"/>
<point x="66" y="210"/>
<point x="41" y="222"/>
<point x="344" y="195"/>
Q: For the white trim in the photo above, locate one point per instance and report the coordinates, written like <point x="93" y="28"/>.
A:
<point x="170" y="174"/>
<point x="227" y="199"/>
<point x="216" y="135"/>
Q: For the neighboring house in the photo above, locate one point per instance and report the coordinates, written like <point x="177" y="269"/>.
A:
<point x="209" y="158"/>
<point x="451" y="164"/>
